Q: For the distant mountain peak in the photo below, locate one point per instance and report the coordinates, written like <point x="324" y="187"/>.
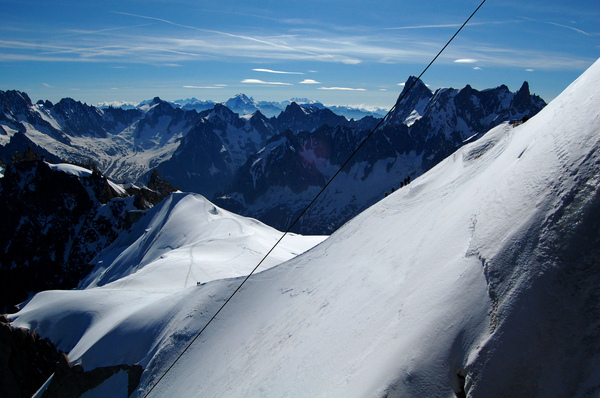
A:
<point x="418" y="84"/>
<point x="244" y="97"/>
<point x="411" y="105"/>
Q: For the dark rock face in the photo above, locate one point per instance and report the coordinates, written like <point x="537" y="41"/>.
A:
<point x="72" y="381"/>
<point x="41" y="212"/>
<point x="307" y="118"/>
<point x="79" y="119"/>
<point x="200" y="164"/>
<point x="277" y="164"/>
<point x="158" y="189"/>
<point x="27" y="361"/>
<point x="54" y="223"/>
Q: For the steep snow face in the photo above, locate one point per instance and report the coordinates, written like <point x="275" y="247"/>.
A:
<point x="480" y="279"/>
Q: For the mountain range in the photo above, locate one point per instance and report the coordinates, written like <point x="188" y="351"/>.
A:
<point x="267" y="168"/>
<point x="276" y="183"/>
<point x="479" y="278"/>
<point x="244" y="105"/>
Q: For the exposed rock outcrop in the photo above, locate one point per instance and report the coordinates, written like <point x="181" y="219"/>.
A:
<point x="27" y="361"/>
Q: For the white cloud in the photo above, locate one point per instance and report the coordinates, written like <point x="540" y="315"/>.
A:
<point x="465" y="61"/>
<point x="257" y="81"/>
<point x="342" y="88"/>
<point x="47" y="85"/>
<point x="477" y="68"/>
<point x="277" y="71"/>
<point x="528" y="70"/>
<point x="309" y="81"/>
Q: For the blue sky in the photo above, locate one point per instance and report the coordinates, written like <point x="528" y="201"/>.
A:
<point x="338" y="52"/>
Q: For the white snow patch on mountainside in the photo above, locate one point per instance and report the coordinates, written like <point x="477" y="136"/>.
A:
<point x="477" y="279"/>
<point x="71" y="169"/>
<point x="83" y="172"/>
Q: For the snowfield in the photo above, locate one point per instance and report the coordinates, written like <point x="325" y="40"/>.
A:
<point x="480" y="278"/>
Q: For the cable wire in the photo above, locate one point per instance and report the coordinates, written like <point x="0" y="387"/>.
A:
<point x="405" y="92"/>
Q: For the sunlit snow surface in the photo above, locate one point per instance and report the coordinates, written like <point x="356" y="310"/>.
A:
<point x="485" y="267"/>
<point x="186" y="240"/>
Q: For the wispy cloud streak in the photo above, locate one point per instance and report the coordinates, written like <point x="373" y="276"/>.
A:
<point x="249" y="38"/>
<point x="352" y="47"/>
<point x="558" y="25"/>
<point x="257" y="81"/>
<point x="342" y="89"/>
<point x="277" y="72"/>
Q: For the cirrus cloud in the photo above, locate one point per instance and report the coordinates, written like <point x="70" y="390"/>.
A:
<point x="342" y="88"/>
<point x="257" y="81"/>
<point x="277" y="71"/>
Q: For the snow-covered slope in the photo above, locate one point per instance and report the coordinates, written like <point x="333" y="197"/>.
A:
<point x="180" y="242"/>
<point x="478" y="279"/>
<point x="185" y="240"/>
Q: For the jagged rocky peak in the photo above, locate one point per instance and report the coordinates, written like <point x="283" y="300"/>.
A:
<point x="163" y="106"/>
<point x="71" y="108"/>
<point x="243" y="98"/>
<point x="241" y="104"/>
<point x="418" y="84"/>
<point x="223" y="112"/>
<point x="14" y="101"/>
<point x="411" y="104"/>
<point x="156" y="105"/>
<point x="161" y="186"/>
<point x="46" y="104"/>
<point x="294" y="108"/>
<point x="523" y="99"/>
<point x="79" y="118"/>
